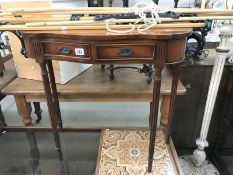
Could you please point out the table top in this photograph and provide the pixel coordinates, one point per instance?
(164, 33)
(95, 81)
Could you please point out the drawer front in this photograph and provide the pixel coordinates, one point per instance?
(74, 50)
(125, 51)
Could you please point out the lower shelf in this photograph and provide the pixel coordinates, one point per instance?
(124, 152)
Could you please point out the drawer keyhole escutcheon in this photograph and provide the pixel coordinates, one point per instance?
(126, 52)
(65, 50)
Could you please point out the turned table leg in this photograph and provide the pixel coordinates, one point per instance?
(37, 111)
(50, 103)
(165, 109)
(24, 109)
(54, 94)
(54, 109)
(154, 106)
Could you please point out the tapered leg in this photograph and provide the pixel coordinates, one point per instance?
(151, 107)
(154, 116)
(24, 109)
(50, 103)
(54, 94)
(172, 100)
(38, 111)
(54, 110)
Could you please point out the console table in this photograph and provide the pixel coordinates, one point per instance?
(155, 46)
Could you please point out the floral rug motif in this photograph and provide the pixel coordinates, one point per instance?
(125, 152)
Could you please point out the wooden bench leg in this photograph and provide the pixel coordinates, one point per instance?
(38, 111)
(165, 109)
(24, 109)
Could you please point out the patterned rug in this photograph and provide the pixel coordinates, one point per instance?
(125, 152)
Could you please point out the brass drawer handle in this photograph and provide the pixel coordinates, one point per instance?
(125, 52)
(65, 50)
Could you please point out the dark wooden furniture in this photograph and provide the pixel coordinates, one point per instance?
(80, 89)
(155, 46)
(189, 109)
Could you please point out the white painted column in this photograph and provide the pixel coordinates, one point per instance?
(222, 50)
(197, 163)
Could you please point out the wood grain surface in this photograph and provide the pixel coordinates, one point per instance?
(94, 85)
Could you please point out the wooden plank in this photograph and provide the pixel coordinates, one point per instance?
(93, 98)
(94, 83)
(175, 159)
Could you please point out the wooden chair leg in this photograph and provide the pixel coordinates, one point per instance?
(38, 111)
(24, 109)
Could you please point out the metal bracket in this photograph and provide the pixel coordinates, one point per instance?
(168, 14)
(199, 35)
(20, 37)
(147, 69)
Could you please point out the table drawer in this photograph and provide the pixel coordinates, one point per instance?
(125, 51)
(76, 50)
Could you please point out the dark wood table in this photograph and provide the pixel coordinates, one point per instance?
(155, 46)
